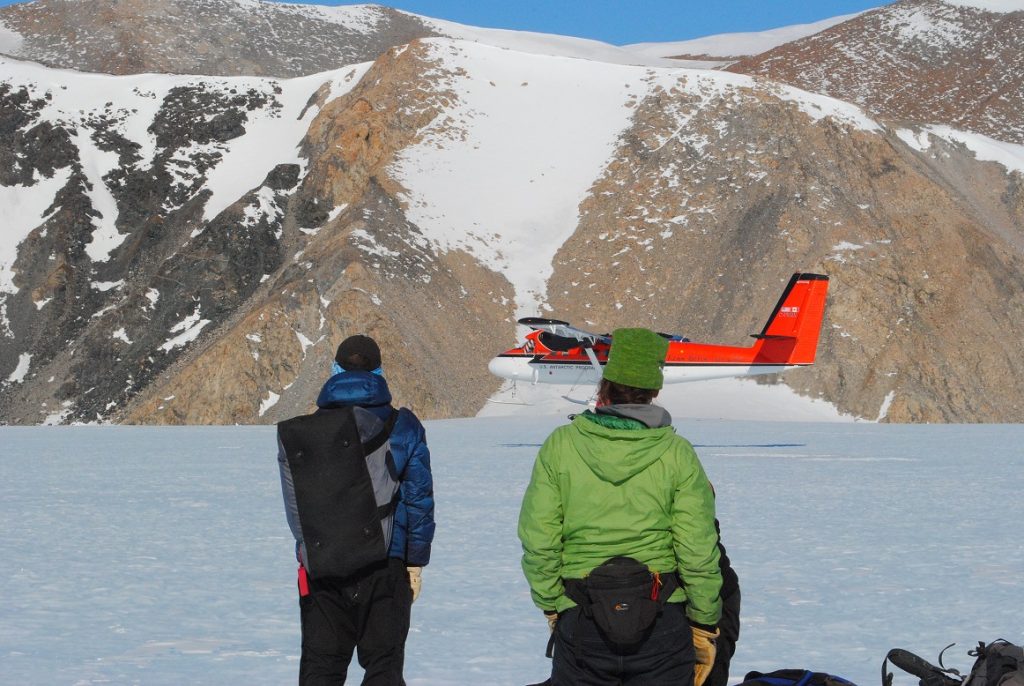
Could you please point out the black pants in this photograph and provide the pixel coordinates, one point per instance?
(582, 657)
(368, 614)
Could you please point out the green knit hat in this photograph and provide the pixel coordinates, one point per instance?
(636, 358)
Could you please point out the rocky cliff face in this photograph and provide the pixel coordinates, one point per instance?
(697, 225)
(123, 268)
(196, 314)
(358, 265)
(211, 37)
(923, 61)
(191, 249)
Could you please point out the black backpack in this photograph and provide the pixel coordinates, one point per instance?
(345, 489)
(999, 663)
(794, 677)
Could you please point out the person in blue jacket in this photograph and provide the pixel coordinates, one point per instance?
(367, 611)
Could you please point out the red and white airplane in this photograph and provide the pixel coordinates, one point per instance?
(558, 353)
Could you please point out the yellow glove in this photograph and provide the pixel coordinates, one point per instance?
(415, 581)
(704, 645)
(552, 618)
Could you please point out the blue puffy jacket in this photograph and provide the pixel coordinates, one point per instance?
(414, 515)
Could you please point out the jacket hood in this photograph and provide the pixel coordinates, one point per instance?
(652, 416)
(354, 388)
(616, 455)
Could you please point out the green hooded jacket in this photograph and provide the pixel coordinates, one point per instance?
(601, 488)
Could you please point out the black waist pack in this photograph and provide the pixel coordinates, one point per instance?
(624, 598)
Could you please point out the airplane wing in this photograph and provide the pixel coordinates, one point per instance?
(563, 329)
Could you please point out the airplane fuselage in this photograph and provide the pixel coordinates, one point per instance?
(529, 369)
(555, 352)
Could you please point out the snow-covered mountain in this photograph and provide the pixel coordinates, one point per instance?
(201, 243)
(244, 37)
(724, 48)
(210, 37)
(958, 63)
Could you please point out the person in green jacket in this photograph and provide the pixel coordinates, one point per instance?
(616, 487)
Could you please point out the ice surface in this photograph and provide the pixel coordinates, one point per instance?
(161, 555)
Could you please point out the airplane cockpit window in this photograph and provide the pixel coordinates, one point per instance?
(558, 343)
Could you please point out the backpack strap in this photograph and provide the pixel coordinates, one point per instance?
(550, 652)
(781, 677)
(375, 444)
(929, 674)
(794, 677)
(576, 591)
(383, 435)
(389, 507)
(663, 585)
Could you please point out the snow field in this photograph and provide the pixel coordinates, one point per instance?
(23, 211)
(10, 40)
(503, 175)
(161, 555)
(998, 6)
(1009, 155)
(548, 44)
(737, 398)
(737, 44)
(271, 138)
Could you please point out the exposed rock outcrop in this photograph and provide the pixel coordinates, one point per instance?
(360, 267)
(700, 231)
(921, 61)
(210, 37)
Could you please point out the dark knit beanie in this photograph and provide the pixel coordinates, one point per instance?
(636, 358)
(358, 353)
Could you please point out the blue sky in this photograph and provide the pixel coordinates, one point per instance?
(636, 21)
(640, 21)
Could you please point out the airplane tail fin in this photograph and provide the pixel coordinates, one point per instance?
(791, 334)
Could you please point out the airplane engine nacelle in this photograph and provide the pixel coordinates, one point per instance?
(513, 368)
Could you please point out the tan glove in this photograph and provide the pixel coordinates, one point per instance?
(552, 618)
(415, 581)
(704, 645)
